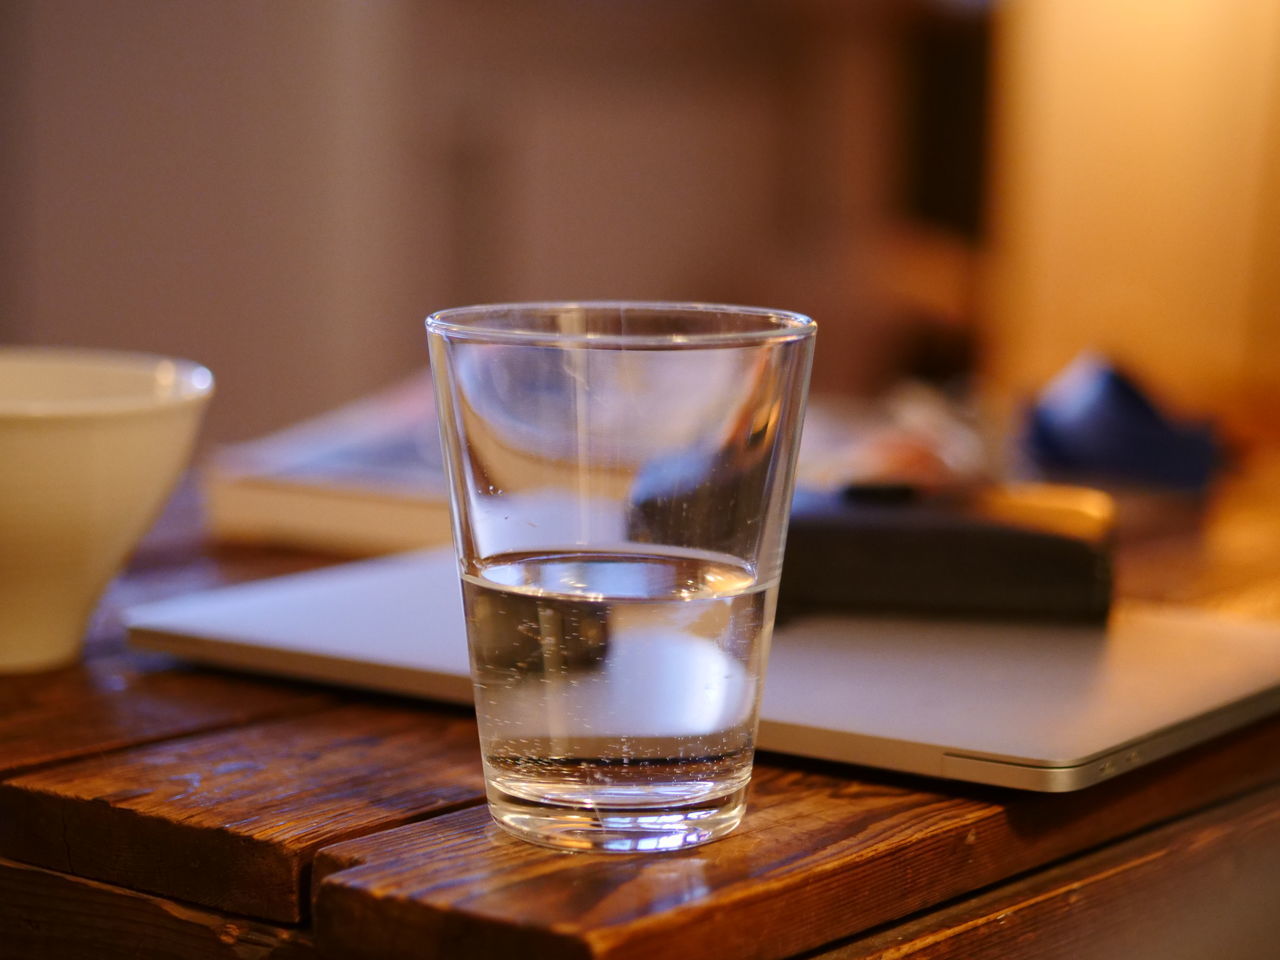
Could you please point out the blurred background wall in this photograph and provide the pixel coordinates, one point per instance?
(284, 190)
(1135, 199)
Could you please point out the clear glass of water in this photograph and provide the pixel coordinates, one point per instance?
(621, 477)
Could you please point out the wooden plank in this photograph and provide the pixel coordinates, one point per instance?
(27, 691)
(230, 819)
(819, 856)
(110, 703)
(52, 916)
(1206, 886)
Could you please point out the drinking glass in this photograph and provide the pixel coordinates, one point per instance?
(621, 477)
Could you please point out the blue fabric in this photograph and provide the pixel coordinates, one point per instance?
(1095, 422)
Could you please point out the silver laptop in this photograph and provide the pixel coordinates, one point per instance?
(1038, 707)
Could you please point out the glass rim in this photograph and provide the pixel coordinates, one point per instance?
(468, 323)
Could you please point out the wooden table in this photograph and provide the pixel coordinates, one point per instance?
(152, 810)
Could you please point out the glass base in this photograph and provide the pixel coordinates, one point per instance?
(618, 829)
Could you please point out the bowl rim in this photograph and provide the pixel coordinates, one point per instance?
(184, 383)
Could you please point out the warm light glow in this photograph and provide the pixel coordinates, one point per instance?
(1135, 153)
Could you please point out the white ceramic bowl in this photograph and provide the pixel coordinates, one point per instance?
(91, 445)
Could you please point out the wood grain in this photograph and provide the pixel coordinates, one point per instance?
(819, 856)
(52, 916)
(114, 702)
(230, 819)
(1206, 886)
(34, 691)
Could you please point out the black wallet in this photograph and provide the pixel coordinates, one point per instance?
(1035, 552)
